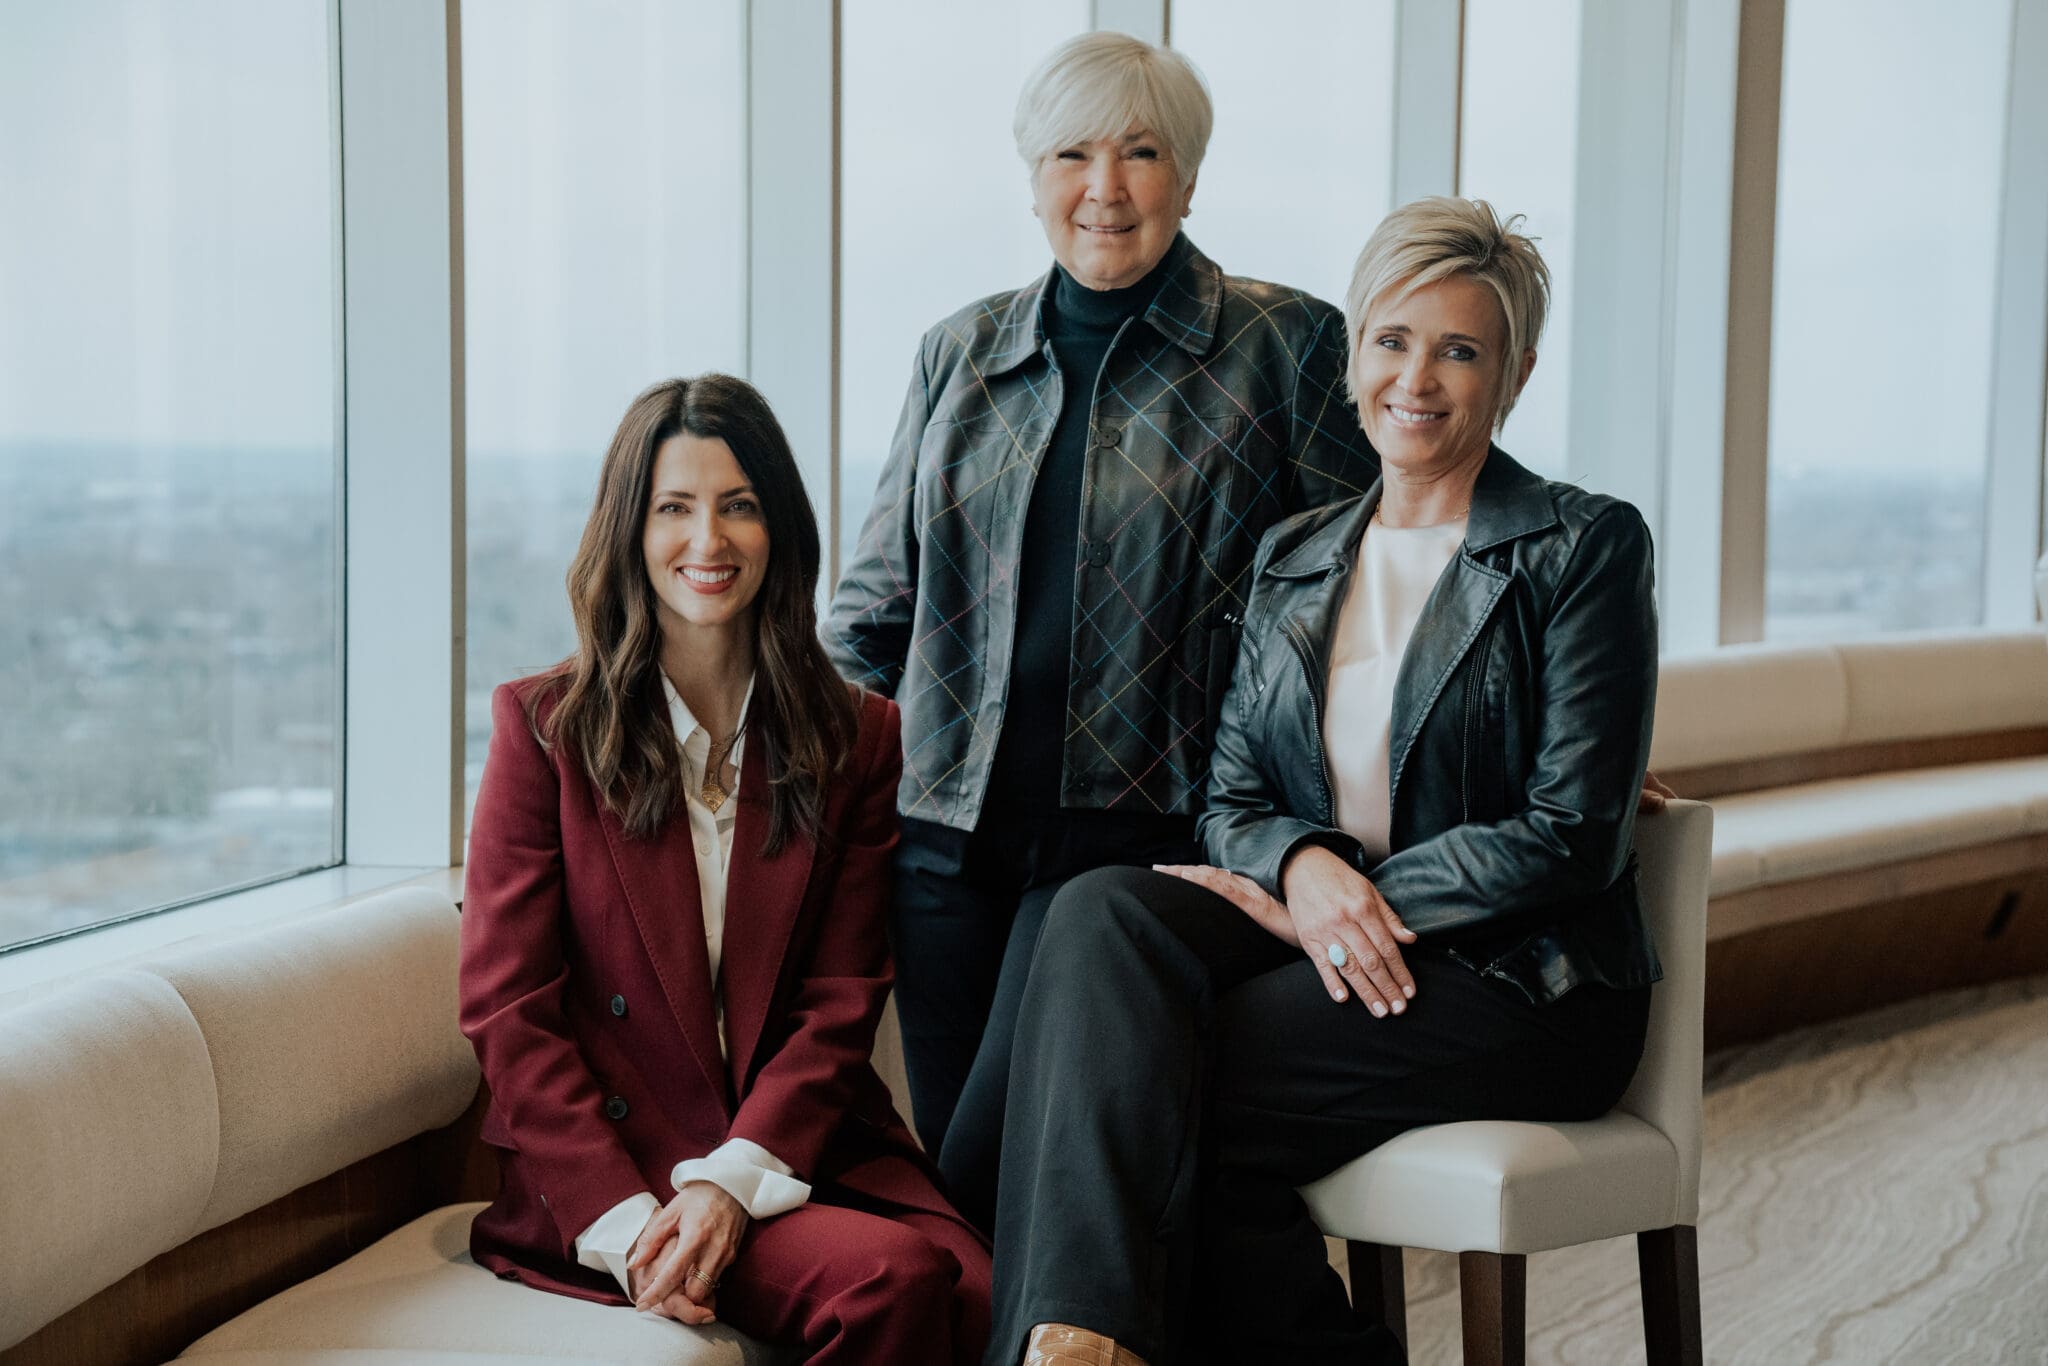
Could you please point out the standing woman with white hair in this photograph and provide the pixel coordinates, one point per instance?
(1423, 901)
(1052, 577)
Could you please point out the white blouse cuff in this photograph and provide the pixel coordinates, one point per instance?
(606, 1244)
(764, 1185)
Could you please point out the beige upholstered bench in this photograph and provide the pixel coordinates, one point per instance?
(293, 1113)
(189, 1135)
(1880, 818)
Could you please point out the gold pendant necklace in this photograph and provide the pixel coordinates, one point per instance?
(1430, 526)
(712, 791)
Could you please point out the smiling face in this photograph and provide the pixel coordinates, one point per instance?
(1427, 373)
(1111, 207)
(705, 538)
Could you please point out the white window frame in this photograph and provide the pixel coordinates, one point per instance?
(2016, 493)
(399, 132)
(792, 239)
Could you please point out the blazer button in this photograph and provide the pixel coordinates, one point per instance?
(616, 1107)
(1098, 554)
(1108, 434)
(619, 1005)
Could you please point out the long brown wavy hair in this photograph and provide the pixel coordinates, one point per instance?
(613, 716)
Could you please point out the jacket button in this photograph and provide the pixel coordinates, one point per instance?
(1098, 554)
(615, 1108)
(618, 1005)
(1108, 435)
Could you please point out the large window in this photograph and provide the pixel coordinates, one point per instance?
(168, 564)
(1301, 159)
(935, 207)
(604, 221)
(1891, 144)
(1518, 149)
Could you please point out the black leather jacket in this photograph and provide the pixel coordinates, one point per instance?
(1520, 731)
(1218, 411)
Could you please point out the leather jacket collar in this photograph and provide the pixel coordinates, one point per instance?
(1508, 501)
(1184, 311)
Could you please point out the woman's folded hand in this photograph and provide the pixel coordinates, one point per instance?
(1240, 891)
(686, 1246)
(1347, 930)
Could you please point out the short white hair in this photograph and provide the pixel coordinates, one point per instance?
(1104, 84)
(1440, 236)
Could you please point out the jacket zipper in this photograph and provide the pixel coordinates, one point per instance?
(1315, 710)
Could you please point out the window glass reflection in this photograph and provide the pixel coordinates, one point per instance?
(1891, 149)
(935, 207)
(1518, 150)
(1301, 162)
(603, 233)
(168, 565)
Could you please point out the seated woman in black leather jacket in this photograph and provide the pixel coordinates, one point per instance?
(1424, 906)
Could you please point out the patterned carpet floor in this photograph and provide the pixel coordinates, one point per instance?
(1875, 1190)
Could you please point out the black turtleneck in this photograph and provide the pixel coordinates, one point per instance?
(1080, 323)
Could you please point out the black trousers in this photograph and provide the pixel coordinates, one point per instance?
(1177, 1072)
(968, 910)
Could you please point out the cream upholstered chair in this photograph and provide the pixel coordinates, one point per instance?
(1494, 1192)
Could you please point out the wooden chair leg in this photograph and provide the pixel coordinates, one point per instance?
(1493, 1288)
(1378, 1292)
(1669, 1262)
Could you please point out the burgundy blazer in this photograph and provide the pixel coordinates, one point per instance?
(586, 991)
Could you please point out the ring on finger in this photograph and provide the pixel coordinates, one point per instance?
(1337, 954)
(697, 1275)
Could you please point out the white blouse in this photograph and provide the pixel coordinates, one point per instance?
(762, 1183)
(1397, 568)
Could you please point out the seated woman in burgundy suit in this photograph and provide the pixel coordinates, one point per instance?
(673, 958)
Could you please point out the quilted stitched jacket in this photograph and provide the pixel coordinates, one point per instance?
(1218, 411)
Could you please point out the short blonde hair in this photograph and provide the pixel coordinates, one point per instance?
(1432, 239)
(1102, 85)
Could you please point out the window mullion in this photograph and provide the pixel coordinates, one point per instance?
(2014, 512)
(1691, 539)
(1429, 62)
(402, 402)
(1147, 19)
(1614, 431)
(792, 177)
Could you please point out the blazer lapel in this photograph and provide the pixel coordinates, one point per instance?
(762, 899)
(659, 877)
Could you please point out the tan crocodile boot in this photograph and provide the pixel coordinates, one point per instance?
(1062, 1344)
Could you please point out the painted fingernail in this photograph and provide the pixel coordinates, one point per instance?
(1400, 1005)
(1409, 992)
(1336, 995)
(1379, 1010)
